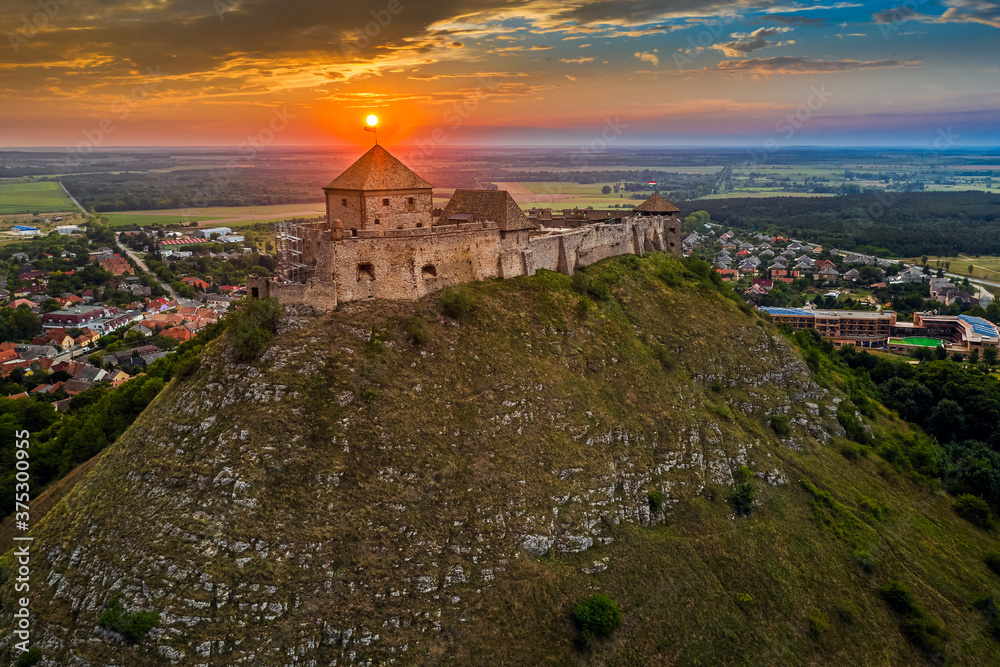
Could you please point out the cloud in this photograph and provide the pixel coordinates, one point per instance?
(755, 41)
(791, 20)
(984, 12)
(578, 61)
(648, 57)
(802, 65)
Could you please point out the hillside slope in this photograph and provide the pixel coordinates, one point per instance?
(391, 485)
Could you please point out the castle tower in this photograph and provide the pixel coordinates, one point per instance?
(378, 192)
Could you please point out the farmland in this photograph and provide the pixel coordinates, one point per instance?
(33, 197)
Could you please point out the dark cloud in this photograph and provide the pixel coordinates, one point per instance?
(790, 20)
(803, 65)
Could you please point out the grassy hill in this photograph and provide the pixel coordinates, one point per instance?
(440, 482)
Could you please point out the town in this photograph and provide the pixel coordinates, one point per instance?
(82, 310)
(850, 298)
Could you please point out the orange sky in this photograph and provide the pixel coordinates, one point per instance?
(304, 72)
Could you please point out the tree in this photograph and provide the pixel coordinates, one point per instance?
(974, 357)
(990, 356)
(606, 190)
(923, 260)
(971, 268)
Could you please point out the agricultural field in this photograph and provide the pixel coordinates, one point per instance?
(986, 267)
(761, 192)
(841, 176)
(227, 216)
(33, 197)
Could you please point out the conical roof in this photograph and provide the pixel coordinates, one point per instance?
(378, 169)
(656, 204)
(487, 205)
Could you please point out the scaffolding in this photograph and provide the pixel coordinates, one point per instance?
(289, 242)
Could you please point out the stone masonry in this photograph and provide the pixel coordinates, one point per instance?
(381, 240)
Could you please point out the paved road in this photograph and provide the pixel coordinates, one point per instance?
(142, 265)
(71, 197)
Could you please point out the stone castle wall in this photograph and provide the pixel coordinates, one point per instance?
(408, 264)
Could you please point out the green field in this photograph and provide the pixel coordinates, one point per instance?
(33, 197)
(228, 216)
(985, 267)
(143, 219)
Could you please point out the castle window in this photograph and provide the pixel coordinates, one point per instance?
(343, 202)
(410, 201)
(377, 221)
(385, 202)
(366, 272)
(420, 224)
(429, 271)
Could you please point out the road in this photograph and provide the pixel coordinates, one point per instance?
(142, 265)
(72, 198)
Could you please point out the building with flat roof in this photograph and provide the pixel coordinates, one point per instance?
(864, 328)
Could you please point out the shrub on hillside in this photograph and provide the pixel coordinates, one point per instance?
(252, 325)
(29, 658)
(781, 425)
(992, 559)
(597, 616)
(417, 330)
(459, 302)
(743, 490)
(584, 283)
(132, 626)
(974, 510)
(898, 596)
(655, 501)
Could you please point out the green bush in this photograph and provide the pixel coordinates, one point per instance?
(459, 303)
(992, 559)
(743, 491)
(597, 616)
(847, 611)
(817, 624)
(30, 657)
(899, 598)
(926, 633)
(655, 501)
(252, 325)
(132, 626)
(669, 277)
(665, 357)
(974, 510)
(417, 330)
(852, 451)
(187, 367)
(864, 560)
(855, 429)
(592, 286)
(781, 425)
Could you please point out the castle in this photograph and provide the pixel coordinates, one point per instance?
(382, 239)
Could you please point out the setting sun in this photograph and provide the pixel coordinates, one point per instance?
(372, 120)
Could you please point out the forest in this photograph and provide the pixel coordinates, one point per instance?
(195, 188)
(885, 224)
